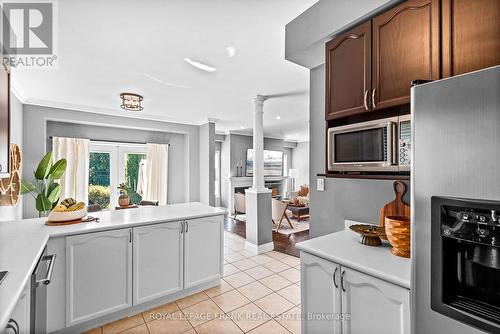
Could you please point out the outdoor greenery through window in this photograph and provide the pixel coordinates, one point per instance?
(99, 179)
(111, 164)
(132, 162)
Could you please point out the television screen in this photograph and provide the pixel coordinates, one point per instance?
(4, 122)
(273, 163)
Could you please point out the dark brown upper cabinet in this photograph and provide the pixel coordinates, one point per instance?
(470, 35)
(405, 48)
(348, 68)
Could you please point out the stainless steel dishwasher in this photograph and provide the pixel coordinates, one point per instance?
(38, 296)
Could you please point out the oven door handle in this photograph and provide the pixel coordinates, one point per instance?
(50, 270)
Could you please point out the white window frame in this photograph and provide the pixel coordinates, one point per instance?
(116, 153)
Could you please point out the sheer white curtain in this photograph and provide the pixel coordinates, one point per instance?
(156, 173)
(75, 181)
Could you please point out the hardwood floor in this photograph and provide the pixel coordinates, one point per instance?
(282, 243)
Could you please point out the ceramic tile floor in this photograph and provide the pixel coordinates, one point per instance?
(258, 294)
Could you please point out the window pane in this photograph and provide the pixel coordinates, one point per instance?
(132, 163)
(99, 179)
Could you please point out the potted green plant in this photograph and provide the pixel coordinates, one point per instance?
(124, 198)
(46, 188)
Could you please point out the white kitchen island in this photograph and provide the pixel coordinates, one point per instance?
(128, 262)
(348, 287)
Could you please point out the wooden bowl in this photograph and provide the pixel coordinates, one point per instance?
(370, 234)
(397, 229)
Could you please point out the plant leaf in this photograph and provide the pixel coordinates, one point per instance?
(54, 191)
(43, 204)
(44, 166)
(58, 169)
(27, 187)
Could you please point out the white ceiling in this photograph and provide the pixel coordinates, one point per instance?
(108, 47)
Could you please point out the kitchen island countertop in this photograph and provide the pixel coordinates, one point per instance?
(22, 242)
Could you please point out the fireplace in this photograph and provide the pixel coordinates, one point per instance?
(239, 184)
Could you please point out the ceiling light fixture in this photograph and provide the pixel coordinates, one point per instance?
(231, 51)
(199, 65)
(278, 117)
(131, 101)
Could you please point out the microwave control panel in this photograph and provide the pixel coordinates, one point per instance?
(404, 143)
(404, 151)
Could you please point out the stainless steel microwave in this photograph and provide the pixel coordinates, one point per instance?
(376, 146)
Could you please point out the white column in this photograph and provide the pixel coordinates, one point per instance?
(258, 143)
(259, 236)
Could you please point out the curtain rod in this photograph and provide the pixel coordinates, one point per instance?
(116, 141)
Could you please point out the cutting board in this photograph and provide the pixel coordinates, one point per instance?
(395, 207)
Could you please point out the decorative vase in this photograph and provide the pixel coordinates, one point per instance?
(124, 201)
(397, 229)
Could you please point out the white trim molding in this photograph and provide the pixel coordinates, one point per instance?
(259, 249)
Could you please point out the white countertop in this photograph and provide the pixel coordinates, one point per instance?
(20, 248)
(22, 242)
(345, 249)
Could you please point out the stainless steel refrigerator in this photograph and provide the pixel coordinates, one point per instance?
(456, 154)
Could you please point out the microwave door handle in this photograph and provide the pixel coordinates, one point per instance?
(394, 143)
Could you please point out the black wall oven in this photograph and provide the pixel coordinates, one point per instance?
(465, 261)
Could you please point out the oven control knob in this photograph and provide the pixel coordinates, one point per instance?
(483, 219)
(465, 216)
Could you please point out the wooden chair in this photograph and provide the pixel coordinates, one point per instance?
(148, 203)
(94, 208)
(239, 205)
(280, 212)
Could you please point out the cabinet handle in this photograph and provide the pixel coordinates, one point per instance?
(182, 227)
(11, 326)
(374, 105)
(129, 235)
(187, 226)
(365, 100)
(342, 280)
(335, 278)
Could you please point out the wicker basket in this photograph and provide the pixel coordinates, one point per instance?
(397, 229)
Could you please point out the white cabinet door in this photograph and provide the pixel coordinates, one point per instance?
(203, 242)
(21, 313)
(98, 274)
(320, 299)
(374, 305)
(158, 261)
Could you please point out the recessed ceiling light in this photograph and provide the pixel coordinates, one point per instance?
(231, 51)
(242, 127)
(199, 65)
(278, 117)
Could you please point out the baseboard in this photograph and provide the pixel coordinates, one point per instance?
(264, 248)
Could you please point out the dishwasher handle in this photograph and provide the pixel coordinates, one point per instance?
(48, 276)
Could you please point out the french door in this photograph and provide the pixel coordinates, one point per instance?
(112, 164)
